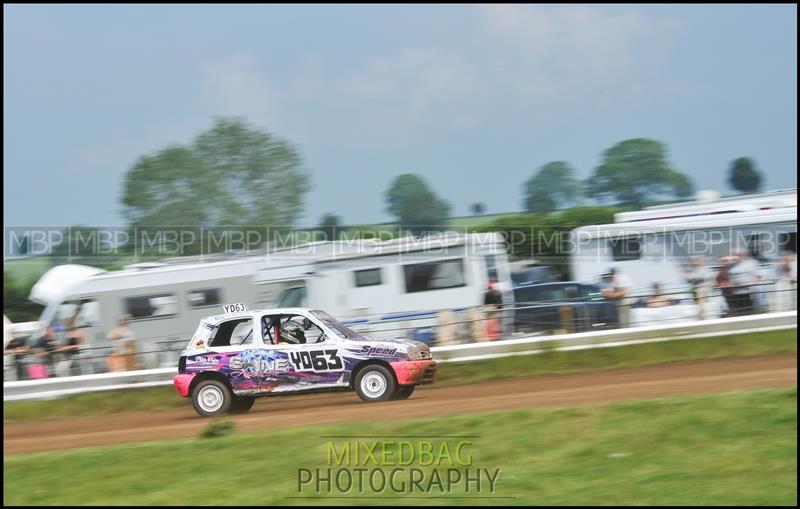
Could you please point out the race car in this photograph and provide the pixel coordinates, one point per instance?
(240, 355)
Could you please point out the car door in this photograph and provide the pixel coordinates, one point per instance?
(314, 363)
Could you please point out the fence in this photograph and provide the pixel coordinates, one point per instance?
(440, 328)
(56, 387)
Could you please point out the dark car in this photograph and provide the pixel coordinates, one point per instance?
(561, 306)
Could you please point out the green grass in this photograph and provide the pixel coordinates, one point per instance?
(158, 398)
(724, 449)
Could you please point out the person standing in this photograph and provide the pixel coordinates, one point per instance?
(617, 288)
(123, 345)
(18, 349)
(743, 275)
(786, 286)
(698, 276)
(70, 350)
(493, 302)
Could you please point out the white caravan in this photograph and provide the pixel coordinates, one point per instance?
(401, 288)
(653, 245)
(165, 300)
(407, 278)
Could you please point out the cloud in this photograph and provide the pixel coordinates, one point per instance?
(544, 59)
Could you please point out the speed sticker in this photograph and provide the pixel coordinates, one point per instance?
(234, 308)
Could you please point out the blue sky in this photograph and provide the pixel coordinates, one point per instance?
(474, 98)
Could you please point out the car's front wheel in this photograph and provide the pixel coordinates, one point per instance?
(211, 398)
(374, 383)
(241, 405)
(403, 392)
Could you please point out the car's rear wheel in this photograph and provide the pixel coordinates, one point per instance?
(211, 397)
(403, 392)
(374, 383)
(241, 405)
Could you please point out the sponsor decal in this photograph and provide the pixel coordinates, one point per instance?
(372, 351)
(234, 308)
(258, 363)
(317, 361)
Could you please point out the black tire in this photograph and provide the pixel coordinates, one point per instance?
(403, 392)
(211, 398)
(374, 383)
(241, 405)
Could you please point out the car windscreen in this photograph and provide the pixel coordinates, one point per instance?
(336, 326)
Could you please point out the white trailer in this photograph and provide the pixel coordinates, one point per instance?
(653, 245)
(398, 288)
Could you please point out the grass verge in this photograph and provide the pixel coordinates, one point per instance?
(723, 449)
(160, 398)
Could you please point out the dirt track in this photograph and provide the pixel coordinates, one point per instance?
(773, 371)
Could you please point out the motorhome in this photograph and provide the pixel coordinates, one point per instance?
(655, 244)
(397, 288)
(364, 282)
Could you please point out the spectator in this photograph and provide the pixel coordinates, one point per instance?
(122, 337)
(786, 286)
(493, 300)
(699, 277)
(76, 337)
(616, 288)
(45, 348)
(743, 273)
(725, 283)
(18, 349)
(658, 299)
(758, 294)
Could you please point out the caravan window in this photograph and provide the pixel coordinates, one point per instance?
(368, 277)
(292, 298)
(788, 241)
(422, 277)
(625, 249)
(152, 306)
(207, 297)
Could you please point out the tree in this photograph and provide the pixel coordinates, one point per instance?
(636, 170)
(329, 226)
(553, 186)
(231, 175)
(477, 208)
(415, 205)
(744, 177)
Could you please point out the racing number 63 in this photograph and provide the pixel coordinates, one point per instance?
(318, 360)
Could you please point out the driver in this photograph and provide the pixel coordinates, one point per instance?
(293, 332)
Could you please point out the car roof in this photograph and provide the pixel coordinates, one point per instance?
(216, 319)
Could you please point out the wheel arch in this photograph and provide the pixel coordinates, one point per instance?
(210, 375)
(370, 362)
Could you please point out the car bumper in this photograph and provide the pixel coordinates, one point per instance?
(182, 384)
(415, 372)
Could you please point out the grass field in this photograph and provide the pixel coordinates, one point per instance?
(724, 449)
(101, 403)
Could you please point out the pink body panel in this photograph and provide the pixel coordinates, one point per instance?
(182, 383)
(414, 372)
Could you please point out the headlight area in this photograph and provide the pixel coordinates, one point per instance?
(414, 353)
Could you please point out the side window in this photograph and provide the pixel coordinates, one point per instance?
(590, 292)
(292, 297)
(571, 292)
(788, 242)
(755, 245)
(422, 277)
(491, 267)
(233, 333)
(625, 249)
(204, 297)
(290, 329)
(152, 306)
(367, 277)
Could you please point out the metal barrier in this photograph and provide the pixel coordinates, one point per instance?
(56, 387)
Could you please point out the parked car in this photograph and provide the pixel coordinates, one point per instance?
(564, 305)
(240, 355)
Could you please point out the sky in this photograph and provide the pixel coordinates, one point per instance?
(474, 98)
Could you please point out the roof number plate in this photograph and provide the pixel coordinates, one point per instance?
(234, 308)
